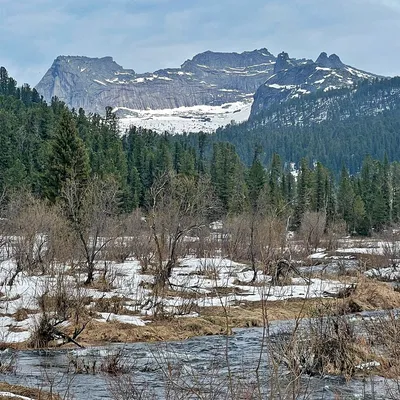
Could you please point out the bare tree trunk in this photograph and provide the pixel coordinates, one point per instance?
(90, 277)
(252, 250)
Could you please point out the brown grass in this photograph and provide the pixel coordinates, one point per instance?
(172, 329)
(374, 295)
(369, 295)
(36, 394)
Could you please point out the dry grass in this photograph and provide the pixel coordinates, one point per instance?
(172, 329)
(35, 394)
(23, 313)
(373, 295)
(369, 295)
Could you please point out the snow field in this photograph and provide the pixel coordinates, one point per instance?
(186, 119)
(210, 281)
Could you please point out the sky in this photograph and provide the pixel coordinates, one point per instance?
(146, 35)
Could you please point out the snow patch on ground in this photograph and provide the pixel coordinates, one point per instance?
(125, 319)
(214, 281)
(9, 394)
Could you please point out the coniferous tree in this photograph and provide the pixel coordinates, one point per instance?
(68, 159)
(346, 198)
(303, 197)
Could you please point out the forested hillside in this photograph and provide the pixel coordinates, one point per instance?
(48, 149)
(337, 127)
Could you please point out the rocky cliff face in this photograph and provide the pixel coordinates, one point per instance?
(208, 79)
(291, 80)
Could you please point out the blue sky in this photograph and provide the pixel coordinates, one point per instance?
(147, 35)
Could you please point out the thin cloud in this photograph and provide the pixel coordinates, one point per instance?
(146, 35)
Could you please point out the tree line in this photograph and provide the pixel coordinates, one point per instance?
(361, 120)
(56, 154)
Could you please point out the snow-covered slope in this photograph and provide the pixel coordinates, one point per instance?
(291, 81)
(186, 119)
(368, 98)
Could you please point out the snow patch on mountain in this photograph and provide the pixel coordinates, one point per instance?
(185, 119)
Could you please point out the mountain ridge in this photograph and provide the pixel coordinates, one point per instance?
(228, 77)
(226, 82)
(291, 81)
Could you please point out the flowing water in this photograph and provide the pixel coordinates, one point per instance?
(205, 362)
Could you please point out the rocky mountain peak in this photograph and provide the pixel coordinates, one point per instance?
(296, 78)
(282, 62)
(219, 60)
(333, 61)
(102, 67)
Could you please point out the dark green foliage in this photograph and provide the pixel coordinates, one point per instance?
(288, 130)
(68, 159)
(227, 177)
(46, 146)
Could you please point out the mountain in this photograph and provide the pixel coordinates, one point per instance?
(208, 91)
(290, 80)
(208, 79)
(337, 127)
(365, 99)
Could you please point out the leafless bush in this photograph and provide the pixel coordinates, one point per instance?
(328, 344)
(236, 237)
(8, 361)
(63, 298)
(391, 246)
(114, 304)
(179, 206)
(92, 218)
(137, 239)
(334, 231)
(43, 332)
(312, 228)
(33, 223)
(384, 332)
(114, 363)
(124, 387)
(59, 301)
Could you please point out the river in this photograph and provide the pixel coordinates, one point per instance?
(212, 364)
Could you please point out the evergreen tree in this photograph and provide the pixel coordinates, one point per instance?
(304, 186)
(256, 180)
(276, 200)
(68, 159)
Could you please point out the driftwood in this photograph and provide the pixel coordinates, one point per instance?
(343, 293)
(283, 269)
(67, 338)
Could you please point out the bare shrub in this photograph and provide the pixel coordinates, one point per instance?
(113, 363)
(334, 231)
(138, 239)
(59, 302)
(8, 361)
(179, 206)
(43, 332)
(256, 238)
(391, 246)
(114, 304)
(384, 332)
(328, 344)
(124, 387)
(36, 227)
(312, 228)
(236, 241)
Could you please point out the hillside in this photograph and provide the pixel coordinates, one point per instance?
(336, 127)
